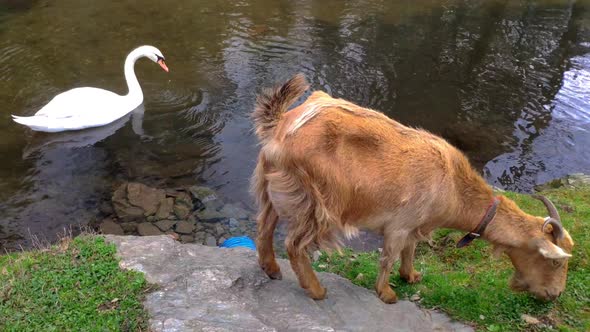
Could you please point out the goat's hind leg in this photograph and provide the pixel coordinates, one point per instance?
(267, 221)
(301, 265)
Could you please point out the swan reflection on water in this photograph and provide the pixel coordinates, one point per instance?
(86, 137)
(69, 176)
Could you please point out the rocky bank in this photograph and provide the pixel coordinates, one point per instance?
(193, 214)
(202, 288)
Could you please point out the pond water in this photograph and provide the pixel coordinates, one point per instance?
(508, 82)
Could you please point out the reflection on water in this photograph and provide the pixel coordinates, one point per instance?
(560, 148)
(84, 138)
(505, 81)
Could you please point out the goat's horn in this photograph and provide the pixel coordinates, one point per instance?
(557, 228)
(550, 207)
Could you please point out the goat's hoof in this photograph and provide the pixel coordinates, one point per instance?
(388, 296)
(412, 277)
(318, 294)
(273, 271)
(276, 275)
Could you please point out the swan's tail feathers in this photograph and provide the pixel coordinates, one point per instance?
(272, 103)
(33, 122)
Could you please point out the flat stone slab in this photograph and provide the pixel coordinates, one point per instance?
(216, 289)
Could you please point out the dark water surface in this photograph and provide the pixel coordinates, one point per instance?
(508, 82)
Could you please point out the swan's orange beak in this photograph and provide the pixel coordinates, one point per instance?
(163, 65)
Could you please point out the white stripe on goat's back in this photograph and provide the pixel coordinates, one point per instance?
(315, 107)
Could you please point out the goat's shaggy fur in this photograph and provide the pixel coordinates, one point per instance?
(330, 167)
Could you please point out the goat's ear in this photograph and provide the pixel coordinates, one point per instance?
(550, 250)
(498, 251)
(548, 229)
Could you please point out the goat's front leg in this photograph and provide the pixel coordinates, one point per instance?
(391, 250)
(406, 270)
(302, 267)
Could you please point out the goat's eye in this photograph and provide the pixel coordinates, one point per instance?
(556, 263)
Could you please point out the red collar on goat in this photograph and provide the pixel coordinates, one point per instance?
(485, 221)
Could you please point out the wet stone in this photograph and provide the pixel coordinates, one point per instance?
(181, 211)
(165, 208)
(129, 227)
(234, 211)
(192, 219)
(147, 229)
(134, 201)
(128, 213)
(184, 227)
(203, 194)
(200, 237)
(210, 241)
(233, 223)
(144, 197)
(187, 238)
(108, 226)
(209, 215)
(184, 198)
(173, 192)
(221, 240)
(219, 229)
(215, 204)
(165, 225)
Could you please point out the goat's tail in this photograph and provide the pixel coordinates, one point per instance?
(272, 103)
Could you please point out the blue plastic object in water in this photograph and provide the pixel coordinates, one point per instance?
(239, 241)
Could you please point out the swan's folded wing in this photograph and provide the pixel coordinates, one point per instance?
(79, 102)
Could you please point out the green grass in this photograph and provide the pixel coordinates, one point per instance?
(76, 285)
(472, 286)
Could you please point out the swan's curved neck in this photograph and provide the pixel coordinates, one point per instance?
(132, 83)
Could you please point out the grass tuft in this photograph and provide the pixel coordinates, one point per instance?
(76, 285)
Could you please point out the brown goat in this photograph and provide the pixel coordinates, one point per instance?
(330, 167)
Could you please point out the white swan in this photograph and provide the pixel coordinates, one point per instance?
(87, 107)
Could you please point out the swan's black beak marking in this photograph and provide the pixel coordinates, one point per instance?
(162, 63)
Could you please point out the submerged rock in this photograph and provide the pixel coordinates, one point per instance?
(165, 225)
(203, 194)
(135, 201)
(210, 241)
(234, 211)
(124, 210)
(129, 227)
(209, 215)
(165, 208)
(148, 229)
(183, 198)
(184, 227)
(108, 226)
(145, 197)
(187, 238)
(181, 211)
(213, 289)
